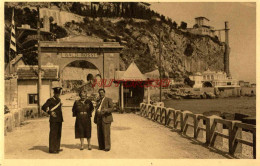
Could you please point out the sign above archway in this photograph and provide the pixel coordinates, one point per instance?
(79, 55)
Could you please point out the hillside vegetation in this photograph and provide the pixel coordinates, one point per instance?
(182, 53)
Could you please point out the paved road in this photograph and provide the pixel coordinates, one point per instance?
(132, 137)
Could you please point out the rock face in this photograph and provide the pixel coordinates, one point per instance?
(182, 53)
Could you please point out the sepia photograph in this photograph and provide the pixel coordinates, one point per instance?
(129, 80)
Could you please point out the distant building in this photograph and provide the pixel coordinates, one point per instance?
(198, 79)
(59, 17)
(246, 84)
(241, 83)
(202, 27)
(213, 79)
(253, 85)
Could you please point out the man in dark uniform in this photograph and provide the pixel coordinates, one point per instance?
(53, 108)
(103, 118)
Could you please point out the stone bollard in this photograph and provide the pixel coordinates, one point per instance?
(238, 150)
(218, 142)
(9, 123)
(189, 130)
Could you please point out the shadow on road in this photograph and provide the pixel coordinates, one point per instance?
(42, 148)
(76, 146)
(212, 149)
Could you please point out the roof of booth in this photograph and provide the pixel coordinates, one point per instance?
(131, 74)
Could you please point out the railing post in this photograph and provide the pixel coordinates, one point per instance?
(254, 144)
(235, 132)
(185, 121)
(178, 115)
(208, 131)
(215, 140)
(148, 110)
(165, 116)
(181, 121)
(168, 119)
(196, 126)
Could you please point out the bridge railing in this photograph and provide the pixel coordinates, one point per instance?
(212, 126)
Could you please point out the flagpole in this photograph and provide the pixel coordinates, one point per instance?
(160, 65)
(9, 52)
(39, 63)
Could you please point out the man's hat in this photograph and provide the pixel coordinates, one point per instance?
(57, 89)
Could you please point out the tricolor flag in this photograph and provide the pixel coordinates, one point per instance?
(13, 39)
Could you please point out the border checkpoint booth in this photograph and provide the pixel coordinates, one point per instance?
(132, 84)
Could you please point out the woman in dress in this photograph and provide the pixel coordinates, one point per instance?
(82, 110)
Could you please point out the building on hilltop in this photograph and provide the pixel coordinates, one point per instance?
(202, 27)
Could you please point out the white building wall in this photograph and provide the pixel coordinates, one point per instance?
(60, 17)
(26, 87)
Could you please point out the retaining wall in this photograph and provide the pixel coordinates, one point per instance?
(17, 116)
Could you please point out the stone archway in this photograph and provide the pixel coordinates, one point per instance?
(207, 84)
(77, 73)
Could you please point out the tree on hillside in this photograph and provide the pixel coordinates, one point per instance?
(183, 25)
(76, 8)
(94, 13)
(188, 81)
(174, 25)
(100, 12)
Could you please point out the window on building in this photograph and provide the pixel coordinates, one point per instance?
(33, 98)
(228, 83)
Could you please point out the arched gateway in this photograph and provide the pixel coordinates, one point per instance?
(104, 55)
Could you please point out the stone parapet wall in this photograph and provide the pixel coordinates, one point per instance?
(17, 116)
(11, 93)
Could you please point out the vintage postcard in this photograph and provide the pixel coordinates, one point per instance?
(149, 80)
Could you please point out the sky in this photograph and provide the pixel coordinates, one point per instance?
(242, 24)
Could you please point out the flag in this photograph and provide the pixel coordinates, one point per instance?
(12, 48)
(12, 39)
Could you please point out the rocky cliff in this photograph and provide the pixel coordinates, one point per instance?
(182, 53)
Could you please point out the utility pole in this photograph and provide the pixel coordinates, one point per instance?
(39, 63)
(227, 50)
(160, 65)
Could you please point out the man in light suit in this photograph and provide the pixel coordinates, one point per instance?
(103, 118)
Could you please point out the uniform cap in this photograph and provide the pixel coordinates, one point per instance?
(57, 89)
